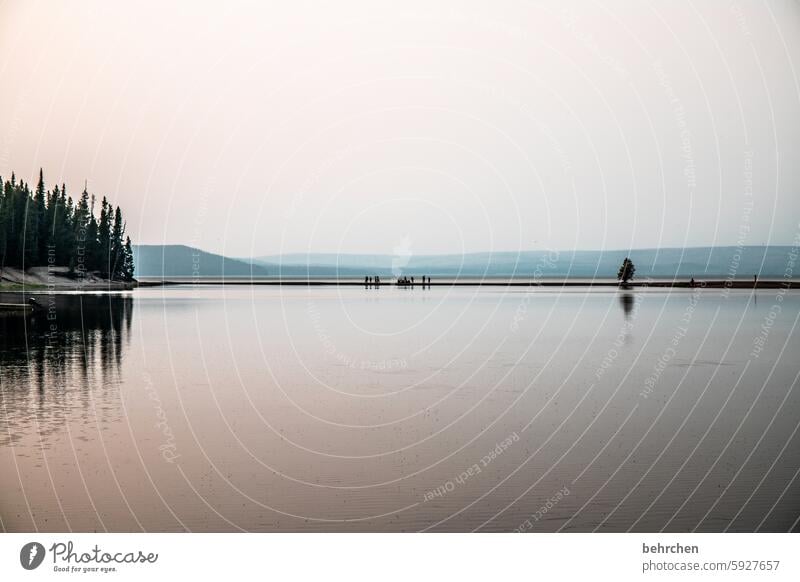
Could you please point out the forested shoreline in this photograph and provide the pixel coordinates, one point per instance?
(48, 228)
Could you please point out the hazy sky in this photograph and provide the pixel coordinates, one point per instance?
(266, 127)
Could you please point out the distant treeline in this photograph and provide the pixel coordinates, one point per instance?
(46, 227)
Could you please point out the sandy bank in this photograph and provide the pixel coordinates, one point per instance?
(57, 278)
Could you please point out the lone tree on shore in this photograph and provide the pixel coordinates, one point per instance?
(626, 271)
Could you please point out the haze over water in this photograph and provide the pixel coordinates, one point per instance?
(349, 409)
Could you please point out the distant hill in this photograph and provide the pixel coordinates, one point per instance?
(717, 262)
(183, 261)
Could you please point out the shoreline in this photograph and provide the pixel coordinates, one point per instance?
(55, 279)
(61, 284)
(705, 284)
(38, 288)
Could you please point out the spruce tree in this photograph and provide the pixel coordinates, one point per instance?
(30, 233)
(80, 226)
(17, 222)
(3, 224)
(104, 237)
(50, 214)
(40, 220)
(117, 244)
(626, 271)
(63, 228)
(127, 262)
(9, 201)
(92, 250)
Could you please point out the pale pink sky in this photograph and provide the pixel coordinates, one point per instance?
(255, 128)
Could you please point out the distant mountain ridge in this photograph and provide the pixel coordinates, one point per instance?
(739, 262)
(183, 261)
(717, 262)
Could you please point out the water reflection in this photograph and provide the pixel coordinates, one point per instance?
(627, 302)
(219, 409)
(74, 341)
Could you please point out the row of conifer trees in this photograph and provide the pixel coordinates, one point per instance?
(46, 227)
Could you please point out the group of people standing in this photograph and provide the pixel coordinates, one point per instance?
(401, 281)
(409, 281)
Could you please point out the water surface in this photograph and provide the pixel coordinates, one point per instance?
(446, 409)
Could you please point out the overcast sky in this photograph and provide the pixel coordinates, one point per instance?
(267, 127)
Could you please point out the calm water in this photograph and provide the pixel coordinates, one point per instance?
(339, 409)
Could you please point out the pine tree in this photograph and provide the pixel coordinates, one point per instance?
(50, 214)
(4, 225)
(92, 250)
(16, 221)
(104, 237)
(626, 271)
(9, 219)
(127, 261)
(80, 225)
(63, 228)
(30, 234)
(117, 244)
(40, 220)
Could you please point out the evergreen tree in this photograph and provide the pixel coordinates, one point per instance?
(50, 214)
(127, 261)
(63, 228)
(626, 271)
(17, 222)
(30, 233)
(4, 224)
(104, 237)
(80, 226)
(92, 250)
(9, 231)
(40, 220)
(117, 245)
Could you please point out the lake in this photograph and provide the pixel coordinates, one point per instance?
(228, 408)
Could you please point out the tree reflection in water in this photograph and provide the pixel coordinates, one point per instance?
(51, 359)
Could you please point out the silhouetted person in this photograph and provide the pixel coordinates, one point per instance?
(755, 280)
(691, 282)
(412, 281)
